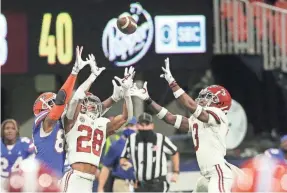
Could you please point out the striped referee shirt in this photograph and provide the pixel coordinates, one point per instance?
(148, 158)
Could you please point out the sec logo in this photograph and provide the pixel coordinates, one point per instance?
(188, 34)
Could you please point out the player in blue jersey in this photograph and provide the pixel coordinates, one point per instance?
(48, 133)
(281, 152)
(13, 147)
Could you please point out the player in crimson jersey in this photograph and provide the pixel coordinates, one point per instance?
(209, 127)
(48, 133)
(86, 130)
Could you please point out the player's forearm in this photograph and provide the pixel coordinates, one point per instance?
(79, 95)
(189, 103)
(62, 98)
(103, 177)
(175, 162)
(169, 118)
(177, 121)
(128, 112)
(107, 104)
(85, 86)
(184, 98)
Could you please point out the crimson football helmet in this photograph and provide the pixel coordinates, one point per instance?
(215, 96)
(44, 102)
(32, 176)
(92, 106)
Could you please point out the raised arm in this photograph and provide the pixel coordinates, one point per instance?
(116, 97)
(127, 114)
(178, 121)
(184, 98)
(64, 94)
(81, 91)
(85, 87)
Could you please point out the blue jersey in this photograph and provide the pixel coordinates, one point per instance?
(11, 158)
(49, 146)
(276, 153)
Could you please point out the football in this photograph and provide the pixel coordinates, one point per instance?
(126, 24)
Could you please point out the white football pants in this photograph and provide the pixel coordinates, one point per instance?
(77, 182)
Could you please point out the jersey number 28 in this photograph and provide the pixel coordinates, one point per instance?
(96, 137)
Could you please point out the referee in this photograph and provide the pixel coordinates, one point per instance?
(148, 150)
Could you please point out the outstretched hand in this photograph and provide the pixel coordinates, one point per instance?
(141, 93)
(166, 72)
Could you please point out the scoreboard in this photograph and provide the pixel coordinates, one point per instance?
(58, 46)
(42, 38)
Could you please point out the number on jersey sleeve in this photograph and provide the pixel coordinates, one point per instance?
(195, 130)
(96, 137)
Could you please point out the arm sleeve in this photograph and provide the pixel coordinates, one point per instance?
(62, 98)
(168, 147)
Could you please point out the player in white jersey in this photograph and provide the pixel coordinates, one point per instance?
(86, 130)
(209, 127)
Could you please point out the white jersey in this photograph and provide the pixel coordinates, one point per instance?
(84, 142)
(209, 138)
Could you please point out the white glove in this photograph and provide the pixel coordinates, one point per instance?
(118, 93)
(79, 63)
(141, 93)
(167, 74)
(93, 64)
(126, 82)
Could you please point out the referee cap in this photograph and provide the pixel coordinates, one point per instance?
(145, 118)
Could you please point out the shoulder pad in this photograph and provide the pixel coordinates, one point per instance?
(217, 112)
(25, 140)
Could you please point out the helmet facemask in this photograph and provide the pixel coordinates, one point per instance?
(206, 98)
(92, 106)
(47, 104)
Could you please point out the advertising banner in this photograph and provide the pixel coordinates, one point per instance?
(54, 28)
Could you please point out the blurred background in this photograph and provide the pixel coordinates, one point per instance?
(239, 44)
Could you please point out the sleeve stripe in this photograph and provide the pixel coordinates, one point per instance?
(41, 117)
(217, 119)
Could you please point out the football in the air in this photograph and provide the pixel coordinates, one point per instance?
(126, 24)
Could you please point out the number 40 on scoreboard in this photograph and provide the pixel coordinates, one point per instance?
(60, 45)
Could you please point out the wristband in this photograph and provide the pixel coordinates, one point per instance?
(178, 121)
(162, 113)
(148, 101)
(176, 172)
(173, 84)
(178, 93)
(198, 111)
